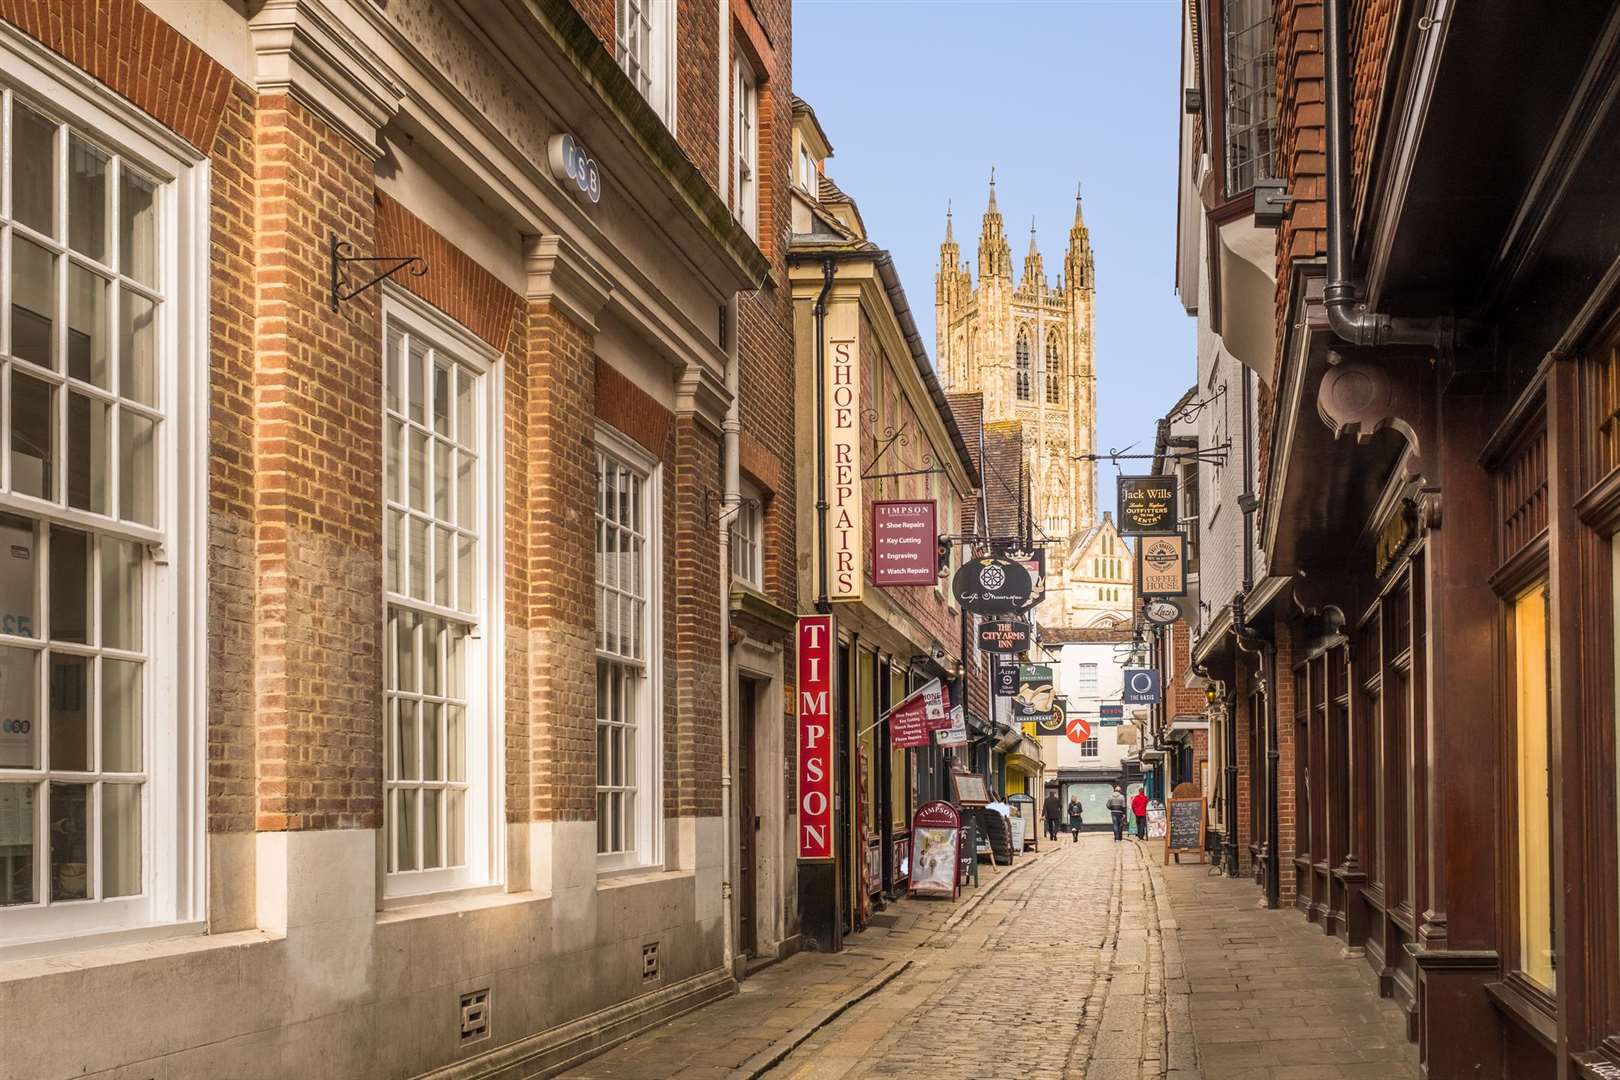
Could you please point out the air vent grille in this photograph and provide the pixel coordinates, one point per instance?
(474, 1016)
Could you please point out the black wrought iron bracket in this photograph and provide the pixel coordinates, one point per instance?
(1214, 454)
(890, 438)
(343, 289)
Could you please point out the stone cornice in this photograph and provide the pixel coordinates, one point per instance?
(562, 274)
(701, 394)
(302, 50)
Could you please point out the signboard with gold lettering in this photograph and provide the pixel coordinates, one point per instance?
(1147, 504)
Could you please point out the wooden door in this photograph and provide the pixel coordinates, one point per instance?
(747, 818)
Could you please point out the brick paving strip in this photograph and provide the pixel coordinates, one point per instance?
(782, 1006)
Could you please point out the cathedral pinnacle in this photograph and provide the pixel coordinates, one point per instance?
(1032, 249)
(992, 208)
(950, 238)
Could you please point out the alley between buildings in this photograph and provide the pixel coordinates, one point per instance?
(1088, 960)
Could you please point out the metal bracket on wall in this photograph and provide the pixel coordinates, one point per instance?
(343, 289)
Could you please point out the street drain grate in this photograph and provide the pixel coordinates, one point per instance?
(887, 922)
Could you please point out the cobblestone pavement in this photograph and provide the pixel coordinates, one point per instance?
(1089, 961)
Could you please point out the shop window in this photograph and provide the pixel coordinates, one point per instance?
(644, 36)
(97, 715)
(627, 776)
(438, 791)
(1537, 943)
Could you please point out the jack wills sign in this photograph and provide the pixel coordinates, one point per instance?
(815, 689)
(841, 417)
(1147, 504)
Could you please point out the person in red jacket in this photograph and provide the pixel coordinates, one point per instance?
(1139, 808)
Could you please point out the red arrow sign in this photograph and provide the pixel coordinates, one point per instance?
(1079, 729)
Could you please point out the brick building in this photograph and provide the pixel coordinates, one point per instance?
(885, 431)
(361, 641)
(1413, 639)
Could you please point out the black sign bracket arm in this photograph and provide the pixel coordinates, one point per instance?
(343, 289)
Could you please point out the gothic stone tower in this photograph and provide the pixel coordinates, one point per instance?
(1027, 346)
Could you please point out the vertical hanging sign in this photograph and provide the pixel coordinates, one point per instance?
(845, 518)
(815, 646)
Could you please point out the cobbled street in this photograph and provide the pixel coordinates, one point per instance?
(1089, 960)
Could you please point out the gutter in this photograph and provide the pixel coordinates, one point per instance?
(1349, 316)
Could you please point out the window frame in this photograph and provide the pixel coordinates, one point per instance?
(750, 512)
(483, 666)
(1232, 180)
(648, 852)
(174, 721)
(1023, 377)
(745, 144)
(659, 19)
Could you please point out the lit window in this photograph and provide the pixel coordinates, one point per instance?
(1533, 790)
(645, 43)
(1054, 374)
(745, 183)
(745, 542)
(1249, 93)
(1023, 366)
(100, 349)
(627, 800)
(440, 727)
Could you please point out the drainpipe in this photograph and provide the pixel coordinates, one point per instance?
(823, 605)
(1348, 315)
(729, 503)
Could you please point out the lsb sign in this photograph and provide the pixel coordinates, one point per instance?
(815, 645)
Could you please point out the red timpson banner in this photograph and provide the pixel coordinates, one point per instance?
(815, 689)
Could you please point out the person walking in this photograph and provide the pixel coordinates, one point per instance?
(1116, 808)
(1075, 816)
(1053, 813)
(1139, 803)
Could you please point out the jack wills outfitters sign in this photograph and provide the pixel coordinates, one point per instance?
(1147, 504)
(815, 690)
(841, 413)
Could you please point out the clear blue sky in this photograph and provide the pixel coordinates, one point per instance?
(921, 97)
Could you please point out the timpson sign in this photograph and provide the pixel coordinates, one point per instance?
(814, 707)
(845, 566)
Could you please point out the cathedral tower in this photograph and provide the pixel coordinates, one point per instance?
(1027, 346)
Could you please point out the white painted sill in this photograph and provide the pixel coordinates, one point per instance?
(28, 960)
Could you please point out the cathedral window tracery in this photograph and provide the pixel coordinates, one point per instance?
(1054, 374)
(1023, 366)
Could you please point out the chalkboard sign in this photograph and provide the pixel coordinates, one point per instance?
(1184, 827)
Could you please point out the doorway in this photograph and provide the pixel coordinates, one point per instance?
(748, 691)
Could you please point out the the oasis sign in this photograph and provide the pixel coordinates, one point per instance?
(815, 689)
(991, 586)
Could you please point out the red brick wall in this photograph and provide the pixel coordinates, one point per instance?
(560, 569)
(697, 87)
(1369, 32)
(692, 765)
(1243, 717)
(1287, 787)
(318, 445)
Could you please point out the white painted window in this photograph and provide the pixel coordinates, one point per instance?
(807, 172)
(102, 324)
(1088, 680)
(644, 33)
(1089, 747)
(443, 722)
(747, 528)
(627, 735)
(745, 182)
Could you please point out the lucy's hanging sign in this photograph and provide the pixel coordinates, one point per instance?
(992, 586)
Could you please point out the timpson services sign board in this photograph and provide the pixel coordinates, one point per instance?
(905, 543)
(841, 418)
(1147, 504)
(814, 707)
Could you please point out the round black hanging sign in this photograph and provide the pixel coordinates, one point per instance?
(991, 586)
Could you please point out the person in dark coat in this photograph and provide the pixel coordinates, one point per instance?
(1116, 809)
(1053, 813)
(1075, 816)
